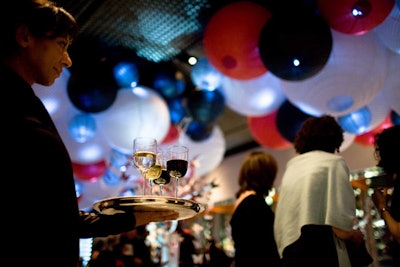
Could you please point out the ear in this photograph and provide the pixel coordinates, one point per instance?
(23, 36)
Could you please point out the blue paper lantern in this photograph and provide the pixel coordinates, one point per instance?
(205, 76)
(126, 74)
(356, 122)
(395, 117)
(82, 127)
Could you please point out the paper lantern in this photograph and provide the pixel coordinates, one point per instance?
(389, 30)
(205, 106)
(265, 132)
(231, 39)
(82, 127)
(89, 172)
(390, 88)
(348, 139)
(172, 135)
(92, 150)
(138, 111)
(199, 131)
(177, 109)
(395, 117)
(352, 77)
(356, 122)
(208, 153)
(205, 76)
(289, 120)
(126, 74)
(295, 45)
(169, 84)
(93, 89)
(354, 17)
(254, 97)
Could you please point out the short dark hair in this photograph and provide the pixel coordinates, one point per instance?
(387, 149)
(44, 20)
(319, 133)
(258, 172)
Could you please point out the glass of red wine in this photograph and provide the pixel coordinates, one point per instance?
(177, 163)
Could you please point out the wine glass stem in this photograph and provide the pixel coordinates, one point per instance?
(144, 183)
(176, 187)
(151, 186)
(161, 189)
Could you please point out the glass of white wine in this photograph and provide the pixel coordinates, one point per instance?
(177, 163)
(144, 156)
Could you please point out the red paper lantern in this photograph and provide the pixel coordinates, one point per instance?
(264, 131)
(231, 39)
(89, 172)
(172, 135)
(355, 17)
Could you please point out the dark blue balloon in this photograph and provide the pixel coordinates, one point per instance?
(289, 120)
(356, 122)
(199, 131)
(168, 86)
(395, 117)
(177, 110)
(205, 106)
(295, 45)
(93, 90)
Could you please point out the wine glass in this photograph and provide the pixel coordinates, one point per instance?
(164, 177)
(155, 171)
(177, 163)
(144, 156)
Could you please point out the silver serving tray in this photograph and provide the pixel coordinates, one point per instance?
(186, 208)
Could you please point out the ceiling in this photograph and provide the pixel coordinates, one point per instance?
(152, 33)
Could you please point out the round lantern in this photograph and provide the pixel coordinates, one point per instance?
(82, 127)
(93, 89)
(254, 97)
(89, 172)
(354, 17)
(389, 30)
(205, 76)
(264, 130)
(352, 77)
(295, 45)
(289, 120)
(126, 74)
(231, 39)
(391, 85)
(356, 122)
(205, 106)
(138, 111)
(395, 117)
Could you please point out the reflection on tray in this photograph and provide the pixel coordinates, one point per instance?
(186, 208)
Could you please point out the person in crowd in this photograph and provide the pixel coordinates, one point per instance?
(36, 37)
(187, 248)
(315, 212)
(387, 151)
(253, 218)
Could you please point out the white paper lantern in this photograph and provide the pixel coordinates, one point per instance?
(391, 87)
(389, 30)
(255, 97)
(138, 111)
(352, 77)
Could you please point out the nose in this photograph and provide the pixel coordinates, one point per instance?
(66, 60)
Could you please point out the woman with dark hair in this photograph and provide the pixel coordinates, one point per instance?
(387, 152)
(253, 218)
(316, 206)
